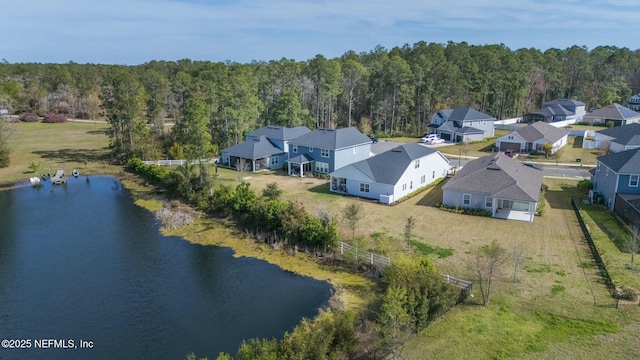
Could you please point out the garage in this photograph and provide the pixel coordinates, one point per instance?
(504, 146)
(446, 136)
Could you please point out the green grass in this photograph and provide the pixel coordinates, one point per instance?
(426, 249)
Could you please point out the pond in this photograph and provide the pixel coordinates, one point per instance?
(85, 273)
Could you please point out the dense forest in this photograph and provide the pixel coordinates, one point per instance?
(381, 91)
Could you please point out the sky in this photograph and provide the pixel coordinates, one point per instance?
(133, 32)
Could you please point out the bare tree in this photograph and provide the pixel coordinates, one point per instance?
(518, 258)
(632, 244)
(604, 147)
(490, 260)
(241, 165)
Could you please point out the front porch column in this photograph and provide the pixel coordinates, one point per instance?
(301, 170)
(289, 168)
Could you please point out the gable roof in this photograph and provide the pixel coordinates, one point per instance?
(541, 130)
(625, 162)
(554, 109)
(332, 139)
(277, 132)
(614, 111)
(254, 149)
(567, 103)
(466, 113)
(500, 176)
(623, 135)
(388, 167)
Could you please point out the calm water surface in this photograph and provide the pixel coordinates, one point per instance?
(81, 262)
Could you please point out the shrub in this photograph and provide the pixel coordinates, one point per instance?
(466, 211)
(628, 294)
(54, 118)
(28, 117)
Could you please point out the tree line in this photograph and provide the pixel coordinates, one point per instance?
(383, 91)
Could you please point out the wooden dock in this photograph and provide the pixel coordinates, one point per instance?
(59, 177)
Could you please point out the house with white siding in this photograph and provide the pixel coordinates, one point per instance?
(392, 174)
(533, 138)
(619, 138)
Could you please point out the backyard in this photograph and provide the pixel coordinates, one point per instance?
(558, 307)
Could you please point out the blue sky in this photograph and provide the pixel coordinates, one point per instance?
(132, 32)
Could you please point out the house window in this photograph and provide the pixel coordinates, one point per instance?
(275, 160)
(417, 163)
(324, 153)
(433, 176)
(404, 186)
(488, 202)
(364, 188)
(598, 167)
(355, 149)
(322, 167)
(484, 122)
(466, 199)
(310, 149)
(411, 184)
(423, 179)
(294, 148)
(633, 180)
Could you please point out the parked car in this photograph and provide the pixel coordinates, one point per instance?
(428, 137)
(434, 141)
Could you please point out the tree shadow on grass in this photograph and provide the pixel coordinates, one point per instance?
(97, 132)
(432, 196)
(76, 155)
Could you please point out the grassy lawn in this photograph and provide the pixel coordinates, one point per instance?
(557, 308)
(57, 146)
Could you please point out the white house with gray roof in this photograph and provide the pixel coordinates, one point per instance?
(326, 150)
(264, 148)
(617, 174)
(557, 110)
(496, 183)
(462, 124)
(391, 175)
(533, 137)
(619, 138)
(617, 114)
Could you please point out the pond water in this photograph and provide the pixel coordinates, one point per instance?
(81, 262)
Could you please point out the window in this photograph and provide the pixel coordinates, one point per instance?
(294, 148)
(364, 188)
(488, 202)
(598, 167)
(324, 153)
(484, 122)
(411, 185)
(417, 163)
(355, 149)
(433, 176)
(423, 179)
(322, 167)
(404, 187)
(310, 149)
(633, 180)
(275, 160)
(466, 199)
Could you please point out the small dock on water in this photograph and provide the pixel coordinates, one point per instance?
(59, 177)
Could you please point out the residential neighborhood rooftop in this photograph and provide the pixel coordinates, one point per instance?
(254, 149)
(332, 138)
(277, 132)
(614, 111)
(623, 162)
(625, 135)
(541, 130)
(498, 175)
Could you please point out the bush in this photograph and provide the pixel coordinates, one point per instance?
(466, 211)
(52, 118)
(28, 117)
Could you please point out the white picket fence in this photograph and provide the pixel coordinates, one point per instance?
(177, 162)
(383, 261)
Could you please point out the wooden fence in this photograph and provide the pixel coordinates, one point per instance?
(382, 261)
(594, 250)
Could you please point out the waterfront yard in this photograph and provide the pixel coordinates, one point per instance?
(557, 308)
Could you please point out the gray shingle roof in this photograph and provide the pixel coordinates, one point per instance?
(332, 139)
(277, 132)
(466, 113)
(498, 176)
(388, 167)
(563, 102)
(624, 162)
(614, 112)
(553, 110)
(624, 135)
(254, 149)
(541, 130)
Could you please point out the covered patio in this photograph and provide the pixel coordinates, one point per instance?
(299, 165)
